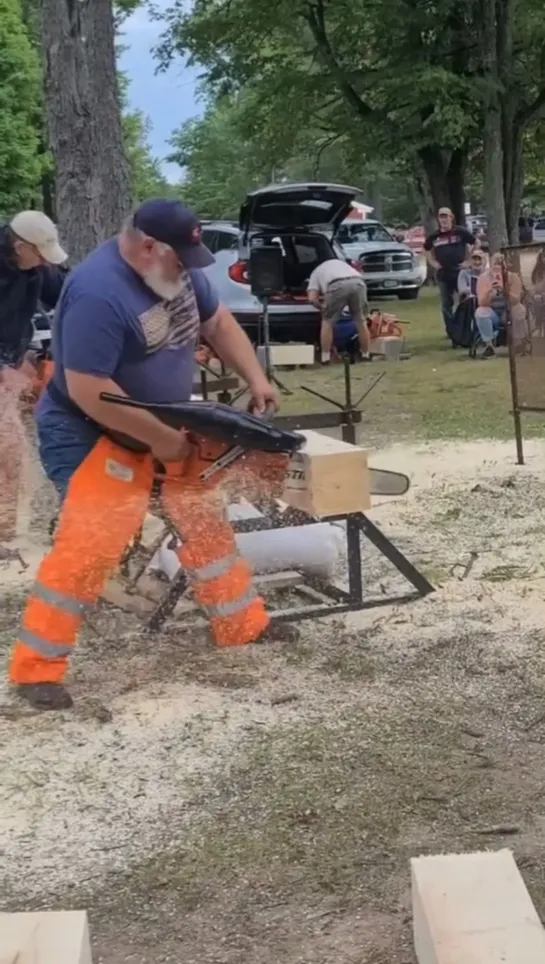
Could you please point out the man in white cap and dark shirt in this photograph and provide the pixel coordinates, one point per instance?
(30, 275)
(333, 286)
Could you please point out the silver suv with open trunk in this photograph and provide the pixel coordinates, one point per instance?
(304, 220)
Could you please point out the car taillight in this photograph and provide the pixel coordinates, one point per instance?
(239, 272)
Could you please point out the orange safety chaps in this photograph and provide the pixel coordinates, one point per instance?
(104, 508)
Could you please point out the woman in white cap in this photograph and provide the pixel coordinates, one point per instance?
(30, 275)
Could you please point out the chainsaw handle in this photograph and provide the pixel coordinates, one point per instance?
(267, 414)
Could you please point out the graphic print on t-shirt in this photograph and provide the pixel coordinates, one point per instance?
(172, 324)
(449, 247)
(442, 239)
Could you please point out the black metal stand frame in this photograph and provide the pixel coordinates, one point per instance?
(328, 598)
(264, 341)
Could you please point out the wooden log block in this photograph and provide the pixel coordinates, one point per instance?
(474, 909)
(390, 346)
(58, 937)
(328, 477)
(291, 354)
(115, 594)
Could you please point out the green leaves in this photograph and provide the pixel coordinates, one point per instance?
(386, 62)
(20, 96)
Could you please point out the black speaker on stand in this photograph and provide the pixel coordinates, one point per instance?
(266, 270)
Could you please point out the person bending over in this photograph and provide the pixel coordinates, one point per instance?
(333, 286)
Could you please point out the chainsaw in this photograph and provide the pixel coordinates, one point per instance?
(225, 424)
(220, 423)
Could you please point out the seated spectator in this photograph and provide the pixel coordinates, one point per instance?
(468, 277)
(538, 273)
(490, 315)
(538, 290)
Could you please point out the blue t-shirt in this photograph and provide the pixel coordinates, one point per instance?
(109, 323)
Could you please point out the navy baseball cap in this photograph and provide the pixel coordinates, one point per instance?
(174, 224)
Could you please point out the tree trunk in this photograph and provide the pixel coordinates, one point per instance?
(424, 199)
(445, 173)
(513, 172)
(92, 183)
(511, 132)
(455, 177)
(494, 197)
(433, 164)
(493, 168)
(48, 198)
(375, 197)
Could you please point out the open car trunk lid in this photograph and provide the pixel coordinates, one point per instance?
(292, 207)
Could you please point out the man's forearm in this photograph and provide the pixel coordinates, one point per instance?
(431, 260)
(232, 345)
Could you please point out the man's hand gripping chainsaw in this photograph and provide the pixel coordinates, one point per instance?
(220, 436)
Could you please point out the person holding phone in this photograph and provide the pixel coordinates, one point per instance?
(493, 296)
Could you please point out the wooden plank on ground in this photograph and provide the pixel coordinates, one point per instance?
(150, 591)
(474, 909)
(115, 594)
(56, 937)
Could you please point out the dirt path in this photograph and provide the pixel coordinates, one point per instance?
(263, 804)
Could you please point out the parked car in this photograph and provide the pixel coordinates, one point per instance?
(389, 267)
(538, 230)
(42, 322)
(304, 220)
(415, 239)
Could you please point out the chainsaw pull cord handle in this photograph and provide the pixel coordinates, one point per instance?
(267, 414)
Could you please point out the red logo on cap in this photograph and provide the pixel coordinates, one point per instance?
(196, 234)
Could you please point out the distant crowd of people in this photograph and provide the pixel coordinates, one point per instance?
(472, 286)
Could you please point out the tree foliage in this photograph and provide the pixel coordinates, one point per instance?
(416, 83)
(21, 164)
(380, 71)
(222, 161)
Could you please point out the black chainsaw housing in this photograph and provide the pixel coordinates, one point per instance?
(214, 421)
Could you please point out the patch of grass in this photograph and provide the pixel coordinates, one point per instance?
(359, 667)
(439, 393)
(507, 572)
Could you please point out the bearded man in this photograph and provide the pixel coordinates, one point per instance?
(128, 321)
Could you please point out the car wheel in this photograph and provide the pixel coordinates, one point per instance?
(410, 295)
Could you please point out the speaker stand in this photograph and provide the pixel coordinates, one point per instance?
(264, 342)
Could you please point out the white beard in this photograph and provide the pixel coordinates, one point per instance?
(168, 290)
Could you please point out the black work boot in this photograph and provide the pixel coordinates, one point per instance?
(279, 633)
(45, 696)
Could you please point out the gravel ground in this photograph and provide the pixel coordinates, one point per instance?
(264, 803)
